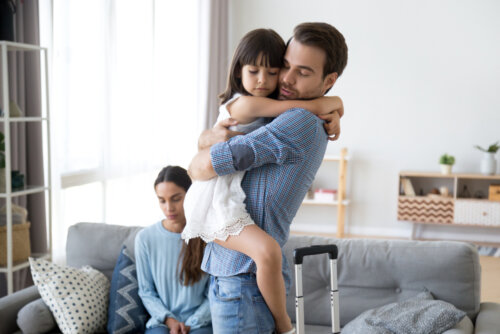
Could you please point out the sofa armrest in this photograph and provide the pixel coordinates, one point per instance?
(10, 306)
(488, 319)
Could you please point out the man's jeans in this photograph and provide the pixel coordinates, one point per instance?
(238, 307)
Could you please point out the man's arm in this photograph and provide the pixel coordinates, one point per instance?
(282, 141)
(219, 133)
(201, 167)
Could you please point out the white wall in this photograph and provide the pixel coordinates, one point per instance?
(423, 78)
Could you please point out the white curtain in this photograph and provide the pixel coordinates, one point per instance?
(129, 83)
(214, 28)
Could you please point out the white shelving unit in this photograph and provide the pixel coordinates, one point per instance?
(7, 120)
(341, 203)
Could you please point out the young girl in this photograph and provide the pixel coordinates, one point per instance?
(215, 209)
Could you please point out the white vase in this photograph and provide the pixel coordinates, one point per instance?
(445, 169)
(488, 164)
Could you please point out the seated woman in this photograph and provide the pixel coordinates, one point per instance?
(172, 286)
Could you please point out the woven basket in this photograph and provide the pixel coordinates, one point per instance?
(21, 248)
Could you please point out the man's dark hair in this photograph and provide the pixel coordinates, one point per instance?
(329, 39)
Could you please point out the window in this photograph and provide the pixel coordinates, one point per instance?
(123, 104)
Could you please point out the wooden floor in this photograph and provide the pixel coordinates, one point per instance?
(490, 271)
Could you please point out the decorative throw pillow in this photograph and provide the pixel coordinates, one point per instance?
(126, 313)
(78, 298)
(35, 318)
(418, 315)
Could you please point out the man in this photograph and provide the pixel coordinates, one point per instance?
(281, 160)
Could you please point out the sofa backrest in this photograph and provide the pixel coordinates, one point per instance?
(372, 273)
(98, 245)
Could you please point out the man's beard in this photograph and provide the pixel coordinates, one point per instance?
(292, 96)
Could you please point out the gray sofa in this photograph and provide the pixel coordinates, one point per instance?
(372, 273)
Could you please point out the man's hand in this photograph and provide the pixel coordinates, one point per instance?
(200, 168)
(176, 327)
(219, 133)
(332, 125)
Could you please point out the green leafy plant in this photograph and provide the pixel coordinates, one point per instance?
(493, 148)
(2, 150)
(447, 159)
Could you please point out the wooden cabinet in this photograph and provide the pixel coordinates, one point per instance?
(341, 202)
(466, 204)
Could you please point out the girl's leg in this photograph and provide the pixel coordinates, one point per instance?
(266, 252)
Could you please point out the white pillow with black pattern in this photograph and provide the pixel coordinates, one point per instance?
(77, 298)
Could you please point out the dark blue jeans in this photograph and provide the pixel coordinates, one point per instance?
(238, 307)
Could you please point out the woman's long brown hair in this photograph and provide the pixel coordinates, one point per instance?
(192, 253)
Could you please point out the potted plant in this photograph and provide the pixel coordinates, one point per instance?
(446, 161)
(489, 163)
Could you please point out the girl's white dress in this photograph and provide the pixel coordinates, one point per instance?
(215, 209)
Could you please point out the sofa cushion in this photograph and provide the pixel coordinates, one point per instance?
(78, 298)
(373, 273)
(36, 318)
(98, 245)
(418, 315)
(126, 313)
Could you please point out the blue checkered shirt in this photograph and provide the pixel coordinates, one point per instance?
(281, 160)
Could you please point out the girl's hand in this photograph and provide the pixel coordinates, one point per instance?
(328, 104)
(332, 125)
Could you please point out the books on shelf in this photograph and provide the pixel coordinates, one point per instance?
(407, 187)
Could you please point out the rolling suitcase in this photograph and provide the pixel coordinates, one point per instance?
(298, 256)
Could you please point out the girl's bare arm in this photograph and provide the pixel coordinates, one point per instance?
(247, 108)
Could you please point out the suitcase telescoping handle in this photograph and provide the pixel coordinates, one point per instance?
(298, 257)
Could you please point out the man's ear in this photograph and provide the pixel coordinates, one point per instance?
(329, 80)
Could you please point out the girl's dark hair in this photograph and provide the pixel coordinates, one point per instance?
(256, 42)
(192, 253)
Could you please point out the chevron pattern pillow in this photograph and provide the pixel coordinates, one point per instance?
(126, 313)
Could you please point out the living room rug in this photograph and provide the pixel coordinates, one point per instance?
(488, 251)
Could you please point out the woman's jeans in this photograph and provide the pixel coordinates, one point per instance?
(164, 330)
(238, 307)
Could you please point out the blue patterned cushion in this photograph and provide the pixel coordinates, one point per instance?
(126, 313)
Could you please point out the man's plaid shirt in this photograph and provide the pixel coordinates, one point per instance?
(281, 160)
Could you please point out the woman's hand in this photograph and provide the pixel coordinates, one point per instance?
(177, 327)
